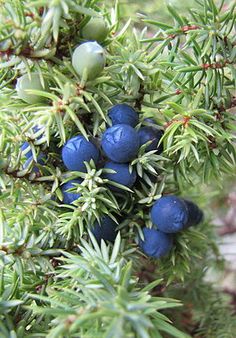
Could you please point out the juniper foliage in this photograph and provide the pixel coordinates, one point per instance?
(55, 279)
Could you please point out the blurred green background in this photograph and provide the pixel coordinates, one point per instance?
(156, 9)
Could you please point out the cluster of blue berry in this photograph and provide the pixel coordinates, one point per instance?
(170, 214)
(120, 144)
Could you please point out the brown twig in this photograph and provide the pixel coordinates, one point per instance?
(138, 102)
(216, 65)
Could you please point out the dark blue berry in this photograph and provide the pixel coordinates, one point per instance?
(78, 150)
(120, 143)
(195, 214)
(68, 196)
(105, 230)
(147, 134)
(123, 114)
(156, 243)
(26, 144)
(122, 176)
(169, 214)
(36, 129)
(41, 159)
(29, 153)
(149, 120)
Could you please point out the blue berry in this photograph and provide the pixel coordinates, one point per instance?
(89, 60)
(36, 129)
(150, 134)
(69, 197)
(152, 177)
(123, 114)
(195, 215)
(41, 159)
(106, 230)
(169, 214)
(122, 175)
(120, 143)
(24, 146)
(156, 243)
(76, 151)
(149, 120)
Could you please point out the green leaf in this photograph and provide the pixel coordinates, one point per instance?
(76, 120)
(178, 108)
(157, 23)
(152, 285)
(116, 248)
(189, 69)
(171, 330)
(175, 15)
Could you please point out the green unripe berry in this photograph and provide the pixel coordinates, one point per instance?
(88, 60)
(96, 29)
(25, 83)
(5, 45)
(19, 34)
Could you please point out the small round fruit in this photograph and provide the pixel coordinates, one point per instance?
(24, 146)
(41, 159)
(5, 46)
(120, 143)
(156, 244)
(25, 83)
(123, 114)
(96, 29)
(76, 151)
(122, 175)
(169, 214)
(105, 230)
(149, 120)
(68, 196)
(147, 134)
(89, 60)
(195, 214)
(37, 128)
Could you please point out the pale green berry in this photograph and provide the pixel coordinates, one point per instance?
(5, 45)
(89, 60)
(96, 29)
(25, 83)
